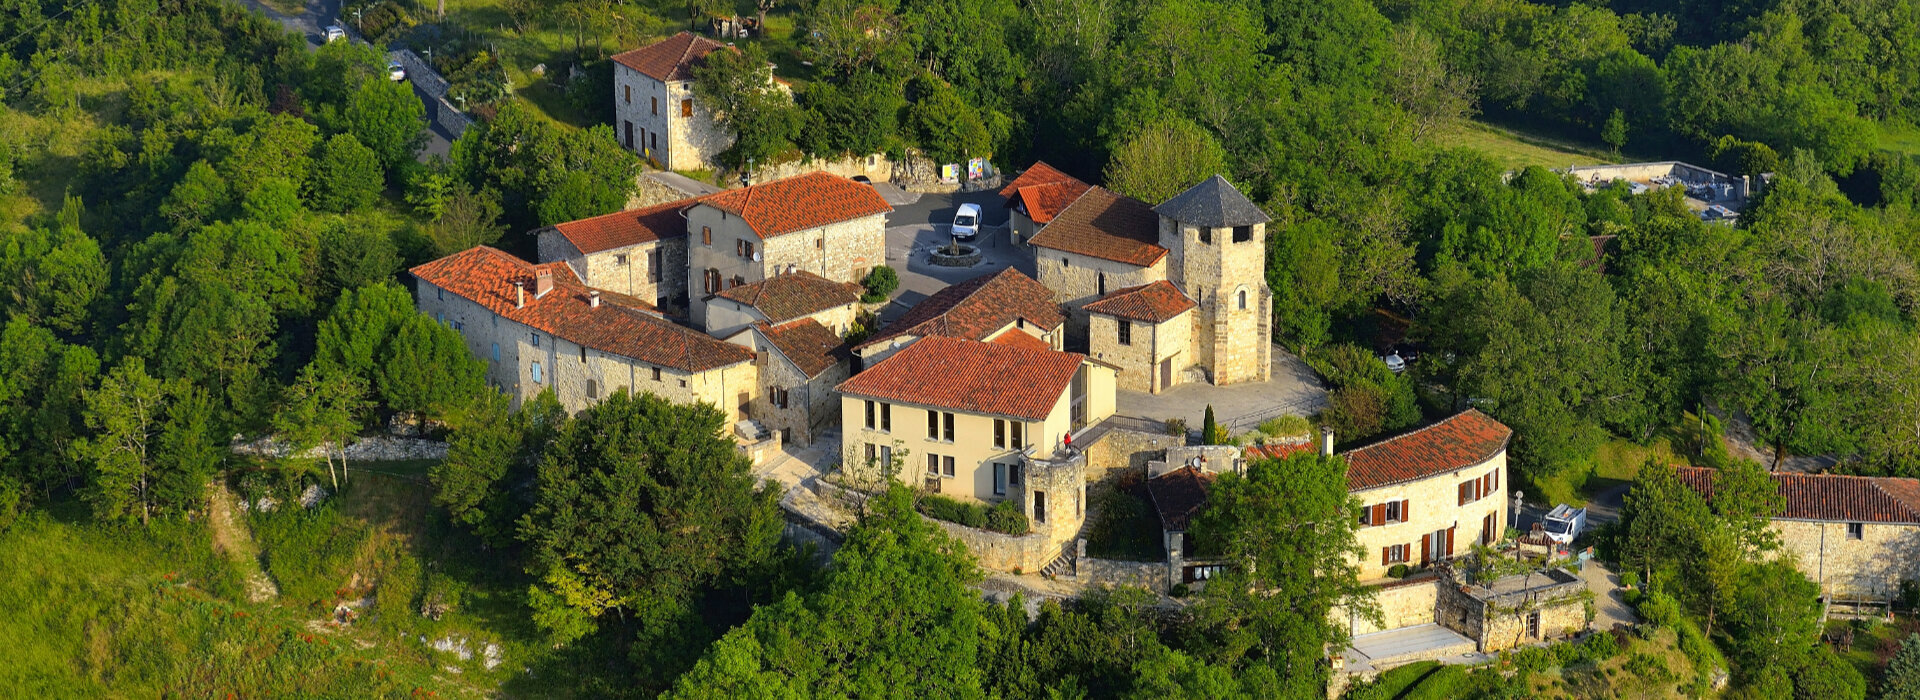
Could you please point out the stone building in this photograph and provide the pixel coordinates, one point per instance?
(1858, 537)
(1207, 244)
(1003, 307)
(640, 253)
(539, 327)
(1513, 610)
(1035, 197)
(654, 110)
(800, 361)
(783, 298)
(824, 224)
(982, 422)
(1149, 327)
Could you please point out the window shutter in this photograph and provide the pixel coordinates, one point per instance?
(1385, 555)
(1380, 514)
(1406, 516)
(1450, 539)
(1466, 487)
(1426, 549)
(1495, 479)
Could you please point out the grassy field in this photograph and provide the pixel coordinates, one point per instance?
(1617, 463)
(1518, 150)
(1650, 668)
(1900, 138)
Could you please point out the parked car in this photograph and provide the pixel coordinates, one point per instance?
(862, 179)
(966, 223)
(1565, 522)
(396, 72)
(1394, 362)
(335, 32)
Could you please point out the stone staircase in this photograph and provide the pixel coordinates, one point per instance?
(1062, 565)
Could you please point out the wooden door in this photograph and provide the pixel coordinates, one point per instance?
(1166, 373)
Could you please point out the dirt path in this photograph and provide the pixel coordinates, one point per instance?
(232, 538)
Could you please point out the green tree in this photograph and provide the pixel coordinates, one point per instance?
(1775, 617)
(357, 334)
(1901, 680)
(737, 87)
(43, 385)
(862, 634)
(322, 408)
(200, 196)
(1415, 75)
(354, 253)
(1208, 427)
(1286, 529)
(428, 370)
(467, 218)
(53, 277)
(347, 176)
(641, 504)
(948, 129)
(275, 202)
(494, 448)
(125, 414)
(386, 117)
(1615, 130)
(1164, 159)
(279, 146)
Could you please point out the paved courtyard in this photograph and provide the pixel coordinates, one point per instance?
(1384, 650)
(1294, 389)
(907, 251)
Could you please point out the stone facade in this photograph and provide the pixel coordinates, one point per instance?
(1515, 610)
(651, 271)
(726, 317)
(1866, 569)
(1078, 279)
(1156, 355)
(995, 551)
(664, 123)
(1435, 509)
(579, 377)
(1224, 271)
(843, 252)
(812, 405)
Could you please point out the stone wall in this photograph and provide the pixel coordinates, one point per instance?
(1151, 575)
(1151, 343)
(648, 191)
(913, 172)
(812, 406)
(1075, 279)
(651, 111)
(653, 272)
(1231, 339)
(1121, 449)
(1000, 552)
(1402, 604)
(1497, 621)
(1869, 568)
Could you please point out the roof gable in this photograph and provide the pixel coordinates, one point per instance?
(671, 59)
(1040, 174)
(811, 347)
(976, 308)
(1214, 203)
(1833, 497)
(624, 228)
(970, 376)
(1105, 225)
(793, 295)
(799, 203)
(620, 325)
(1179, 495)
(1462, 440)
(1154, 302)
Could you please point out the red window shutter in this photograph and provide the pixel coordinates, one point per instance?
(1406, 516)
(1380, 514)
(1466, 489)
(1384, 552)
(1450, 540)
(1496, 479)
(1426, 550)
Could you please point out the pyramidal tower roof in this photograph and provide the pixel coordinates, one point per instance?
(1214, 203)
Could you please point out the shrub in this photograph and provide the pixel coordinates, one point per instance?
(308, 552)
(1006, 517)
(1647, 666)
(442, 595)
(1533, 659)
(398, 585)
(1286, 426)
(1659, 609)
(950, 510)
(1696, 647)
(1179, 590)
(1399, 571)
(1177, 427)
(880, 284)
(1601, 646)
(1629, 579)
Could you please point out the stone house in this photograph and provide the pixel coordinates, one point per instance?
(655, 112)
(824, 224)
(539, 327)
(1035, 197)
(1513, 610)
(783, 298)
(1003, 306)
(801, 361)
(1856, 536)
(640, 253)
(1150, 328)
(1207, 243)
(982, 422)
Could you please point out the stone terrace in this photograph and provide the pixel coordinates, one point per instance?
(1294, 389)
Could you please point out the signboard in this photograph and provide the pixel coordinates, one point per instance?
(976, 168)
(950, 172)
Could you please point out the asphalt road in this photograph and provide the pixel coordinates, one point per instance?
(310, 23)
(939, 209)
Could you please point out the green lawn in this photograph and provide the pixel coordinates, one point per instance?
(1617, 463)
(1900, 138)
(1518, 150)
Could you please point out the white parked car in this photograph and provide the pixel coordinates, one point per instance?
(396, 72)
(1565, 522)
(966, 223)
(1394, 362)
(335, 32)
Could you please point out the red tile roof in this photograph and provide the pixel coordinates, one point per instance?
(1179, 495)
(970, 376)
(1832, 496)
(1039, 174)
(1278, 450)
(1466, 439)
(1108, 226)
(799, 203)
(1154, 302)
(621, 324)
(977, 307)
(1044, 190)
(1020, 339)
(624, 228)
(671, 59)
(810, 346)
(792, 295)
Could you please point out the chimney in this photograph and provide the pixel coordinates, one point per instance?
(542, 283)
(593, 298)
(1326, 442)
(519, 294)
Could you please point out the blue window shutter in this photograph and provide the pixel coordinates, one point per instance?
(496, 352)
(536, 373)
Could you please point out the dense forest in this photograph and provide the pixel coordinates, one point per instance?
(203, 224)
